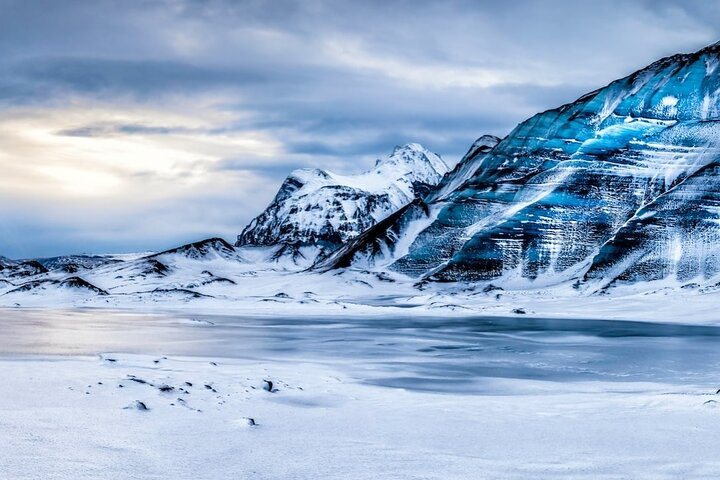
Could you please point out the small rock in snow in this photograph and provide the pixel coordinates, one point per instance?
(137, 405)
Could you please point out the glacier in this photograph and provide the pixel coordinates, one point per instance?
(618, 186)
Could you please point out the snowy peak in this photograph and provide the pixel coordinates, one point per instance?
(407, 163)
(211, 247)
(299, 179)
(415, 161)
(317, 208)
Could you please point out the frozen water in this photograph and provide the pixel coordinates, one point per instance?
(436, 354)
(353, 397)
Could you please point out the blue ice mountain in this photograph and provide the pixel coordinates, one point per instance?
(621, 185)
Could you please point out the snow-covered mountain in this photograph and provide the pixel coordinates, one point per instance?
(618, 186)
(75, 263)
(20, 269)
(323, 210)
(195, 270)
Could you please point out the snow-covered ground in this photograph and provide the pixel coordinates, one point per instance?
(248, 283)
(353, 398)
(159, 367)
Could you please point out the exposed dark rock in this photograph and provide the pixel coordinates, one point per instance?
(135, 379)
(180, 291)
(491, 288)
(154, 267)
(250, 422)
(138, 405)
(79, 283)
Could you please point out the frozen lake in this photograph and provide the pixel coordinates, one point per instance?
(427, 354)
(354, 397)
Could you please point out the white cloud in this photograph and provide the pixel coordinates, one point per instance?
(114, 150)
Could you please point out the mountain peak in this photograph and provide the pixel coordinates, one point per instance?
(416, 147)
(317, 208)
(487, 141)
(413, 155)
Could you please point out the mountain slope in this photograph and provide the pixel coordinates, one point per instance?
(564, 182)
(387, 239)
(465, 169)
(569, 190)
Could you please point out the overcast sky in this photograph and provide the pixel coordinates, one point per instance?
(141, 125)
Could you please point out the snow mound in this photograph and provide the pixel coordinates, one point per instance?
(74, 284)
(75, 263)
(202, 249)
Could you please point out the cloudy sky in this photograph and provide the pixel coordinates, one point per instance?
(139, 125)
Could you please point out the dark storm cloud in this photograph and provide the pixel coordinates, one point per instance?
(102, 76)
(336, 83)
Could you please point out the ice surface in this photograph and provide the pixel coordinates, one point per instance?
(354, 398)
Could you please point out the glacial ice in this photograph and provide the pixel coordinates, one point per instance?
(569, 190)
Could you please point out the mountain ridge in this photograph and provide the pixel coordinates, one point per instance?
(317, 208)
(588, 165)
(619, 188)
